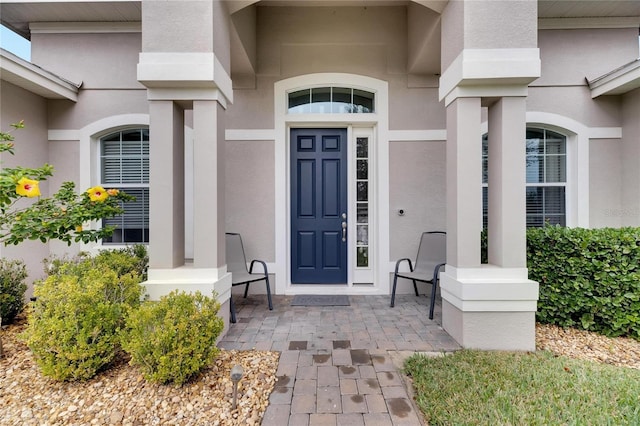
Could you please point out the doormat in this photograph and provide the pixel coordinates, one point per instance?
(320, 300)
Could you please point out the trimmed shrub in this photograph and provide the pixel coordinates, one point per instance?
(13, 273)
(133, 259)
(125, 260)
(589, 278)
(77, 314)
(174, 339)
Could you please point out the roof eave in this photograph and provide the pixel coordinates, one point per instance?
(617, 82)
(34, 79)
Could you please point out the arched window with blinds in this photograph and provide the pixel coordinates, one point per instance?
(124, 164)
(546, 170)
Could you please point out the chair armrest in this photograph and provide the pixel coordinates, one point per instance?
(406, 259)
(264, 266)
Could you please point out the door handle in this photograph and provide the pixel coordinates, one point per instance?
(344, 231)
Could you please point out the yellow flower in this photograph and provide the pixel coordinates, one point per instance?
(79, 228)
(113, 192)
(97, 193)
(28, 187)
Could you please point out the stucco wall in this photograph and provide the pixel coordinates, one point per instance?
(513, 24)
(64, 156)
(249, 196)
(366, 41)
(575, 102)
(94, 105)
(452, 32)
(31, 150)
(465, 24)
(570, 56)
(177, 26)
(294, 41)
(107, 72)
(414, 108)
(631, 159)
(605, 183)
(252, 108)
(98, 61)
(417, 182)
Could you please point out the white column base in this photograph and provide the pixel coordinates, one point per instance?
(189, 279)
(489, 308)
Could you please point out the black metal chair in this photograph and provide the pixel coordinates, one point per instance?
(237, 265)
(431, 258)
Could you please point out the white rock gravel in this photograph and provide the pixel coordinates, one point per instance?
(120, 395)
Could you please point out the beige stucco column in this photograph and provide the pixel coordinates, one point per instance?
(489, 56)
(507, 181)
(166, 185)
(189, 66)
(208, 185)
(464, 183)
(489, 306)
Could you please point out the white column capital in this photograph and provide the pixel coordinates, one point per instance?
(490, 73)
(184, 70)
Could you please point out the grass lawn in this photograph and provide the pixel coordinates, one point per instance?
(503, 388)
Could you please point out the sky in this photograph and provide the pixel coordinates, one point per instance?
(14, 43)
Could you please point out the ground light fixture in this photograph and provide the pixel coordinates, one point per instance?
(236, 375)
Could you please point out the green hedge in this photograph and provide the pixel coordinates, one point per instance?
(589, 278)
(174, 339)
(79, 310)
(13, 274)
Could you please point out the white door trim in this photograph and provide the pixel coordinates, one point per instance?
(379, 121)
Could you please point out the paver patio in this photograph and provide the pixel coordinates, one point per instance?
(337, 362)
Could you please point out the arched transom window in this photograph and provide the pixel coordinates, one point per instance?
(331, 100)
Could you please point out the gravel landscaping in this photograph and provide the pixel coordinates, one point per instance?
(581, 344)
(121, 396)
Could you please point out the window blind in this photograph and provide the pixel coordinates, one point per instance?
(125, 165)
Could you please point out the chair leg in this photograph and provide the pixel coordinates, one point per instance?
(393, 292)
(432, 304)
(415, 287)
(269, 293)
(246, 290)
(232, 307)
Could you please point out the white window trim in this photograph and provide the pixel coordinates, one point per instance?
(88, 140)
(578, 136)
(564, 184)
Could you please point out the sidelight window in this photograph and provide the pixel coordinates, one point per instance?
(362, 202)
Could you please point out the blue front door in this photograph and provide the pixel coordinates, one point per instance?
(318, 206)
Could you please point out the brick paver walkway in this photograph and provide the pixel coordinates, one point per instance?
(337, 362)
